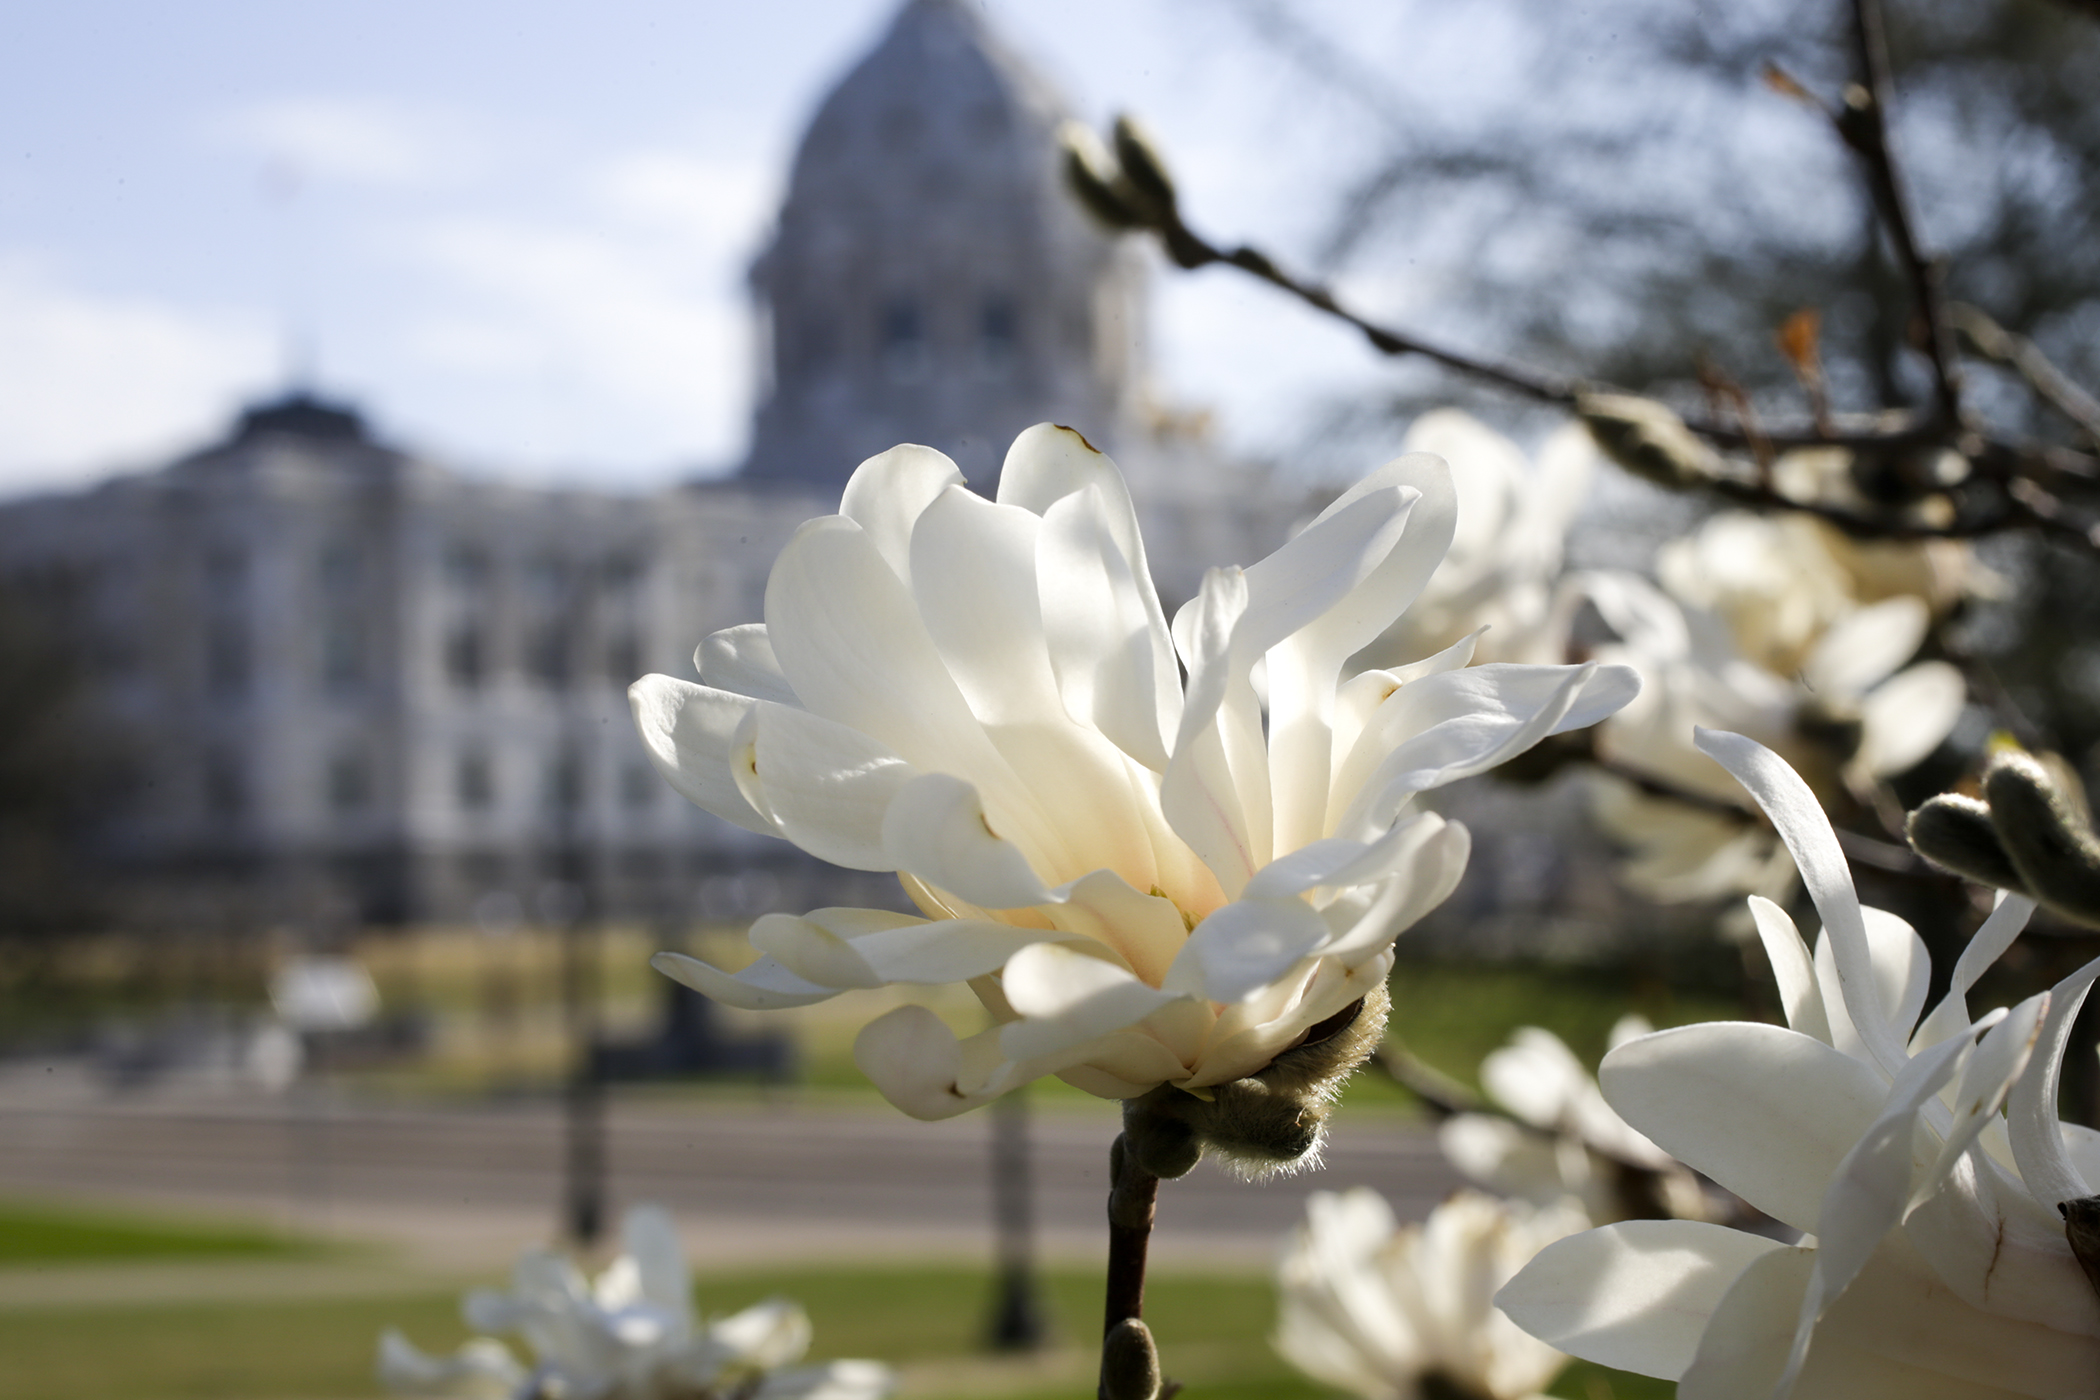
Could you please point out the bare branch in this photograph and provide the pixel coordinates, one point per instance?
(1994, 342)
(1862, 124)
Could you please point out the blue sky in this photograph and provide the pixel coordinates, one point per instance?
(516, 232)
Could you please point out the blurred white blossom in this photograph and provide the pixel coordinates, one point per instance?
(1776, 628)
(628, 1335)
(1505, 556)
(1561, 1140)
(1932, 1259)
(1395, 1312)
(1144, 883)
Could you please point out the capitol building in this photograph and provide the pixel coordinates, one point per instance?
(347, 684)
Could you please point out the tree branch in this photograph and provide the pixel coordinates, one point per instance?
(1862, 124)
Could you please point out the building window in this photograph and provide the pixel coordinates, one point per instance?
(639, 786)
(998, 333)
(904, 350)
(565, 783)
(466, 658)
(547, 656)
(342, 651)
(623, 660)
(226, 657)
(475, 782)
(349, 783)
(225, 790)
(548, 579)
(466, 568)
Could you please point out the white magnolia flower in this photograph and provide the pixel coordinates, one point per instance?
(1389, 1312)
(1498, 578)
(630, 1335)
(1933, 1261)
(1561, 1138)
(1145, 883)
(1762, 632)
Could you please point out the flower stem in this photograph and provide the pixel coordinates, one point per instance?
(1132, 1195)
(1129, 1360)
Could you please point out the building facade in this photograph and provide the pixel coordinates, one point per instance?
(347, 684)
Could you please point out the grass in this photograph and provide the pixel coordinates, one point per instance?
(1453, 1014)
(927, 1321)
(33, 1232)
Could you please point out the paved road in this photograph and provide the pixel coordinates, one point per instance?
(463, 1187)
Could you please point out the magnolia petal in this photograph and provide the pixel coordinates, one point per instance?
(1427, 860)
(1793, 809)
(1635, 1295)
(1926, 1341)
(765, 1335)
(2000, 1250)
(649, 1237)
(1199, 794)
(763, 986)
(1066, 997)
(2030, 1111)
(1986, 1080)
(973, 577)
(1743, 1350)
(1129, 1062)
(1767, 1113)
(946, 950)
(740, 660)
(1902, 974)
(1866, 645)
(851, 642)
(1868, 1193)
(1318, 570)
(2007, 919)
(826, 786)
(687, 730)
(482, 1369)
(887, 493)
(834, 1380)
(937, 829)
(1459, 723)
(1245, 947)
(1907, 716)
(1792, 967)
(814, 953)
(1536, 1077)
(1124, 679)
(1105, 633)
(1146, 931)
(917, 1063)
(1316, 578)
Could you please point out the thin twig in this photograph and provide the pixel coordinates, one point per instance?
(2018, 353)
(1862, 124)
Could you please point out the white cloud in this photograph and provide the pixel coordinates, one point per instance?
(613, 329)
(89, 380)
(358, 140)
(717, 204)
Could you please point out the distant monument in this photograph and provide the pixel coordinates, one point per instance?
(930, 280)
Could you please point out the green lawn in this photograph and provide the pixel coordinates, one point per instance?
(1213, 1332)
(33, 1232)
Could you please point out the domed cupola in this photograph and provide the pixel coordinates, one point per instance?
(930, 280)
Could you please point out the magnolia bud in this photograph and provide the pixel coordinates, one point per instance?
(1647, 439)
(1272, 1121)
(2047, 835)
(1956, 834)
(1144, 168)
(1129, 1362)
(1091, 174)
